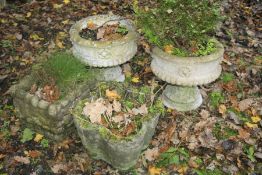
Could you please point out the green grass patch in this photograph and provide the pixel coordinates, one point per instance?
(216, 98)
(227, 77)
(222, 133)
(64, 69)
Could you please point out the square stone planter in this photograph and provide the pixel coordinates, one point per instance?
(53, 120)
(122, 153)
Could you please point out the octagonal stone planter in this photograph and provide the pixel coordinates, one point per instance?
(104, 53)
(101, 143)
(53, 120)
(186, 73)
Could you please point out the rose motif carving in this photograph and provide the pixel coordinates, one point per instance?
(103, 54)
(185, 71)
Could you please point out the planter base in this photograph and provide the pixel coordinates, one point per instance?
(112, 74)
(182, 98)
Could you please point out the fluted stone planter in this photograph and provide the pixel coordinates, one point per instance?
(101, 143)
(104, 53)
(53, 120)
(184, 74)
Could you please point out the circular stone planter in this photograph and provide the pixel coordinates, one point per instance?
(186, 72)
(104, 53)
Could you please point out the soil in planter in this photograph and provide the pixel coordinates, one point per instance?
(106, 32)
(57, 76)
(121, 108)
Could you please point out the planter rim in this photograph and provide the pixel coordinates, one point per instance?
(78, 117)
(199, 59)
(77, 27)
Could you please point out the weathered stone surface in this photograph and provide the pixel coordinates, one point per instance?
(103, 53)
(182, 98)
(187, 71)
(52, 120)
(120, 153)
(112, 74)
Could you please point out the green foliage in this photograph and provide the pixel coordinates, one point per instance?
(6, 44)
(64, 69)
(249, 150)
(216, 98)
(5, 129)
(27, 135)
(209, 172)
(227, 77)
(122, 30)
(183, 24)
(223, 133)
(172, 156)
(44, 143)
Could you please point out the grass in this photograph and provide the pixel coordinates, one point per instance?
(64, 69)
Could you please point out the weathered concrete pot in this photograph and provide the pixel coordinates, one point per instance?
(54, 120)
(104, 53)
(186, 71)
(102, 144)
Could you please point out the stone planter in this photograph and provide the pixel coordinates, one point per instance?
(104, 53)
(53, 120)
(101, 143)
(187, 73)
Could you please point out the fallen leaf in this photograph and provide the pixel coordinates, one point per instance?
(255, 119)
(117, 106)
(59, 167)
(141, 110)
(57, 6)
(34, 154)
(38, 137)
(20, 159)
(28, 14)
(91, 25)
(95, 110)
(135, 80)
(66, 1)
(222, 109)
(36, 37)
(251, 125)
(65, 21)
(118, 118)
(59, 43)
(169, 48)
(204, 114)
(154, 171)
(243, 134)
(245, 104)
(151, 154)
(112, 95)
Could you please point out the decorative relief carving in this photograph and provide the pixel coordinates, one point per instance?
(104, 54)
(185, 71)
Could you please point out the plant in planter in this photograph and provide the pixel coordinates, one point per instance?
(43, 98)
(184, 54)
(104, 41)
(117, 122)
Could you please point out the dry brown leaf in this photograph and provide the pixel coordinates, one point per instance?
(243, 134)
(204, 114)
(154, 171)
(117, 106)
(118, 118)
(141, 110)
(222, 109)
(112, 95)
(169, 48)
(20, 159)
(95, 110)
(59, 167)
(151, 154)
(245, 104)
(34, 154)
(91, 25)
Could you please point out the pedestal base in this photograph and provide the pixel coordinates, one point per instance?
(112, 74)
(182, 98)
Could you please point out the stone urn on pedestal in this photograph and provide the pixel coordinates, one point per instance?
(105, 54)
(184, 74)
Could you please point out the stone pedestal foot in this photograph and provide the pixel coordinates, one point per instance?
(182, 98)
(112, 74)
